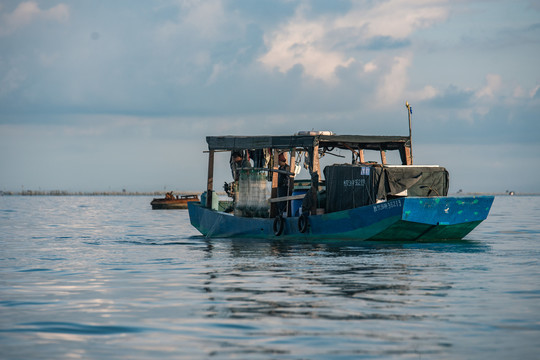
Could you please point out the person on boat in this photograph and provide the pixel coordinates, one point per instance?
(238, 162)
(283, 182)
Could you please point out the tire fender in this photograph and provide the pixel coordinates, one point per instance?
(279, 225)
(303, 222)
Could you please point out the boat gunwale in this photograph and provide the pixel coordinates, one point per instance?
(361, 223)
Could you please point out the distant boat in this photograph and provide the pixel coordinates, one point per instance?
(359, 200)
(172, 202)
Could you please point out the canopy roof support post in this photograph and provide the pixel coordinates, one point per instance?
(361, 156)
(273, 195)
(383, 157)
(405, 155)
(315, 176)
(292, 169)
(210, 182)
(408, 155)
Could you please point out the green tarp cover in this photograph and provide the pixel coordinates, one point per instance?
(416, 180)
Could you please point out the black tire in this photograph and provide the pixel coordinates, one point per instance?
(303, 222)
(279, 225)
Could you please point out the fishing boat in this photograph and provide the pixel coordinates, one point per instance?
(173, 202)
(356, 200)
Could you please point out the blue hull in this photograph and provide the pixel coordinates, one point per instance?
(412, 218)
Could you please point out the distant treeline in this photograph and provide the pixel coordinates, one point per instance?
(93, 193)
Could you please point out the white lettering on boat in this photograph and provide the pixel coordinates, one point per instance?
(387, 205)
(354, 182)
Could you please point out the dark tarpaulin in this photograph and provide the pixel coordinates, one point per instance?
(349, 186)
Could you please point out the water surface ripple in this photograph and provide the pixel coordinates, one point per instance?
(108, 278)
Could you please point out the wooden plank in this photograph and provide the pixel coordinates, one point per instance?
(383, 157)
(287, 198)
(210, 182)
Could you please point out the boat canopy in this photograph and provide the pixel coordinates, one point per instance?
(306, 141)
(324, 141)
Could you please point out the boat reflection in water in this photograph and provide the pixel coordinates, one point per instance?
(386, 280)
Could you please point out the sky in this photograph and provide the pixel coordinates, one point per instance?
(111, 95)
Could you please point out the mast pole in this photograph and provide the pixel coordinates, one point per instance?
(409, 111)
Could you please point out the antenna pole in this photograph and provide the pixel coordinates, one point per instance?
(409, 112)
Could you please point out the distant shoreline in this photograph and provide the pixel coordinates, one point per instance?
(94, 193)
(163, 192)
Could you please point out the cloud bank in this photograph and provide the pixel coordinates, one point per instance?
(180, 70)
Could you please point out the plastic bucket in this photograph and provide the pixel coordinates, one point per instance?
(215, 200)
(296, 205)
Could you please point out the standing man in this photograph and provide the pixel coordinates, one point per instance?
(238, 162)
(283, 182)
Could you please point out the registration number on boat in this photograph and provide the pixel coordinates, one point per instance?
(387, 205)
(354, 182)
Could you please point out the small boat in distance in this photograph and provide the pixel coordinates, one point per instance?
(173, 202)
(357, 200)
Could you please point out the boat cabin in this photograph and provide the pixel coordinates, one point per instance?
(346, 185)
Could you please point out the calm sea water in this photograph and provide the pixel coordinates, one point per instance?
(109, 278)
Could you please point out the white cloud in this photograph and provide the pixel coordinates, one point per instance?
(217, 70)
(188, 42)
(208, 17)
(393, 84)
(370, 67)
(394, 18)
(493, 85)
(518, 92)
(428, 92)
(28, 12)
(318, 44)
(204, 21)
(302, 42)
(534, 91)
